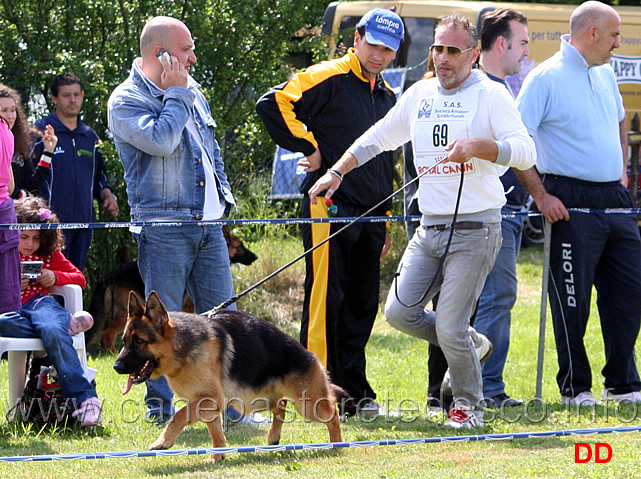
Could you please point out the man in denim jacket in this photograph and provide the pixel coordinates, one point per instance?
(164, 135)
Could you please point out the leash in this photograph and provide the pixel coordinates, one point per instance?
(235, 298)
(442, 260)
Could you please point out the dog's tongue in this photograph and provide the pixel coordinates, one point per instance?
(130, 382)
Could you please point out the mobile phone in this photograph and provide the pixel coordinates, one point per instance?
(32, 269)
(163, 53)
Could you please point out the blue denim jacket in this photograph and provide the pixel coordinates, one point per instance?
(163, 164)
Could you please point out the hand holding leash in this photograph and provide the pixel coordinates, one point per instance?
(331, 180)
(232, 300)
(463, 149)
(329, 183)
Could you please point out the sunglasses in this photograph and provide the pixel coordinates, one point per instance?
(451, 49)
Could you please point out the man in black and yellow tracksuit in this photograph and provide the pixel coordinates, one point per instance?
(320, 112)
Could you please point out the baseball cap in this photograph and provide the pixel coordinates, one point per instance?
(383, 27)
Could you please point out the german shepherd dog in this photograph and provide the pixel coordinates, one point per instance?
(109, 301)
(231, 356)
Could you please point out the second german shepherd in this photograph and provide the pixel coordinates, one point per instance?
(232, 356)
(109, 301)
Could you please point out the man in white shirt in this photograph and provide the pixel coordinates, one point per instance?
(464, 116)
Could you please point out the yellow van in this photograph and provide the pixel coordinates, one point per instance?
(546, 24)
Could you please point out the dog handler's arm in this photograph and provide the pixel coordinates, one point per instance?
(332, 180)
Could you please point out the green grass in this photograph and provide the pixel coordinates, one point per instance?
(397, 368)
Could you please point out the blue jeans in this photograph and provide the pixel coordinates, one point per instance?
(172, 260)
(493, 316)
(469, 260)
(42, 317)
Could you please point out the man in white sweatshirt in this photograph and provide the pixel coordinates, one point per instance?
(473, 121)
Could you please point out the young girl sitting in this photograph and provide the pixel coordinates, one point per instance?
(41, 316)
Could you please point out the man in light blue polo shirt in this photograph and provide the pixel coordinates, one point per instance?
(572, 107)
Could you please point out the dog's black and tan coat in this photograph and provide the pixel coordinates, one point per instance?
(109, 301)
(232, 356)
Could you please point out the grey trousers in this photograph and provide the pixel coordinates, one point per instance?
(468, 262)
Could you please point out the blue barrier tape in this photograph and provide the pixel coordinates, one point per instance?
(285, 221)
(282, 221)
(317, 446)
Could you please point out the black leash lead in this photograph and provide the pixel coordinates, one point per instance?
(447, 249)
(235, 298)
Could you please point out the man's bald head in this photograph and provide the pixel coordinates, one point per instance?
(157, 32)
(174, 37)
(590, 14)
(595, 31)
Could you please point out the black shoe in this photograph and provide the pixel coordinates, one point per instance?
(347, 407)
(501, 400)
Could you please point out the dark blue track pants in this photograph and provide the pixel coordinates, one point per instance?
(604, 250)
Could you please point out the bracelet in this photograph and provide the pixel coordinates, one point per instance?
(47, 153)
(336, 173)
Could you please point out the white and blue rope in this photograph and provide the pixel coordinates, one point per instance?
(281, 221)
(318, 446)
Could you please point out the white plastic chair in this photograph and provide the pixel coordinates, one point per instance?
(17, 348)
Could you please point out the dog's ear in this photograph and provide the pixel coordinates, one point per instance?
(156, 311)
(136, 307)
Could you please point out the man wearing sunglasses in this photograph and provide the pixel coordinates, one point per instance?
(464, 116)
(504, 45)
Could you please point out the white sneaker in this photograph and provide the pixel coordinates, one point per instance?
(370, 409)
(627, 398)
(461, 417)
(484, 350)
(89, 413)
(483, 347)
(434, 413)
(585, 398)
(434, 409)
(254, 419)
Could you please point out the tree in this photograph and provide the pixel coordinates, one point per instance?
(240, 46)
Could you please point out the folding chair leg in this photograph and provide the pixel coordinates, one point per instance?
(17, 374)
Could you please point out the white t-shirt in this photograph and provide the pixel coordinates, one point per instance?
(213, 208)
(431, 117)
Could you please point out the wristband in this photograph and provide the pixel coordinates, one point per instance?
(336, 173)
(47, 153)
(45, 161)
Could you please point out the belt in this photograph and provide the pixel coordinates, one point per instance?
(461, 225)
